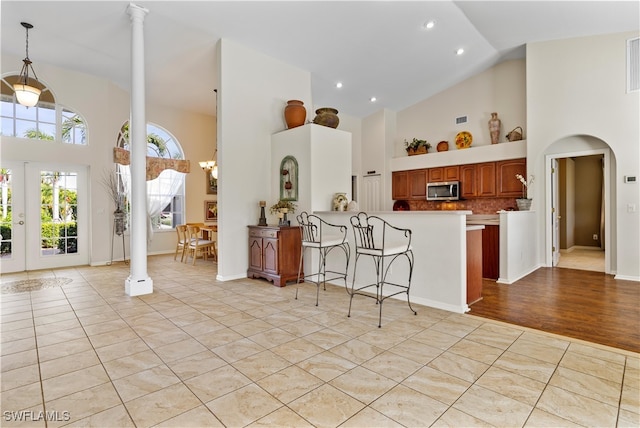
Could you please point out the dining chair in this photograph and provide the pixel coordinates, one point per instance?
(385, 244)
(183, 241)
(197, 244)
(325, 237)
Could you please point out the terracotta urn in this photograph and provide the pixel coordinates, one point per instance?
(294, 113)
(327, 116)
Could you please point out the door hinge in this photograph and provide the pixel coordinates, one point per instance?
(554, 249)
(553, 170)
(553, 210)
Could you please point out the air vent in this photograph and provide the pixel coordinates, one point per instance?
(461, 119)
(633, 65)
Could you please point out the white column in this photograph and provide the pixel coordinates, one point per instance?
(139, 281)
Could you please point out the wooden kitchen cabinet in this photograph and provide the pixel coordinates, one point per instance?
(274, 253)
(399, 185)
(468, 181)
(418, 184)
(478, 180)
(444, 173)
(474, 265)
(486, 176)
(491, 252)
(507, 183)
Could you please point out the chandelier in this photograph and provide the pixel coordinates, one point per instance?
(26, 94)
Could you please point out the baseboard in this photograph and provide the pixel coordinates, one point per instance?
(519, 277)
(627, 278)
(422, 301)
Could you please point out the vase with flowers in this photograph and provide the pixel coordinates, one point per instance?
(281, 209)
(524, 203)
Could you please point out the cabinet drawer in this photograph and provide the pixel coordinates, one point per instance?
(263, 233)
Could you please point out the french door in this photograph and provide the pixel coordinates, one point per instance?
(43, 217)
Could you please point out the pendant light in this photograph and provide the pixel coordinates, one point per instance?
(26, 94)
(210, 165)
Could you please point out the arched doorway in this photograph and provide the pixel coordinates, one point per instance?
(581, 148)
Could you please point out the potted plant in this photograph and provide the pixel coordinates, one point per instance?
(281, 208)
(416, 147)
(524, 203)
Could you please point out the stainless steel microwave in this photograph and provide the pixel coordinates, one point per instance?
(444, 191)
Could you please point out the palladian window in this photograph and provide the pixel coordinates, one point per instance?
(165, 190)
(46, 121)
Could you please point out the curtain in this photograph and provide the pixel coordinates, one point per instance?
(160, 192)
(154, 165)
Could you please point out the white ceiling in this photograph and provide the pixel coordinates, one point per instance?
(376, 48)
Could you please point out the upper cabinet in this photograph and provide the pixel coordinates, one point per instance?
(399, 185)
(418, 184)
(444, 173)
(508, 184)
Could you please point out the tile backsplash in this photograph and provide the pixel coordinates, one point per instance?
(478, 206)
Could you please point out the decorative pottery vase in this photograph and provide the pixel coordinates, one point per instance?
(340, 202)
(494, 128)
(524, 204)
(442, 146)
(294, 113)
(327, 116)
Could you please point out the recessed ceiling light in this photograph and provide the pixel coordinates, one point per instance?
(372, 99)
(339, 85)
(460, 51)
(428, 25)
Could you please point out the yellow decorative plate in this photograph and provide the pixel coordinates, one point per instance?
(463, 140)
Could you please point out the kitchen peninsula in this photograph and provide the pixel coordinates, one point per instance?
(439, 242)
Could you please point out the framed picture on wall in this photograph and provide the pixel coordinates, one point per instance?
(210, 210)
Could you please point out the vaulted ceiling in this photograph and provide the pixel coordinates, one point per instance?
(375, 48)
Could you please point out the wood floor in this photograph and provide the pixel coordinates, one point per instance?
(581, 304)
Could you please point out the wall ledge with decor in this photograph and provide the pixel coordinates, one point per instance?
(486, 153)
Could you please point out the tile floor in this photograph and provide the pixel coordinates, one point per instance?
(202, 353)
(583, 259)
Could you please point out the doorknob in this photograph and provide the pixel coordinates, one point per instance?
(21, 222)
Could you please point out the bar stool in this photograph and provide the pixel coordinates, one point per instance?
(324, 237)
(385, 243)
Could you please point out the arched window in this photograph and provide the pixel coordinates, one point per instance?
(165, 194)
(46, 121)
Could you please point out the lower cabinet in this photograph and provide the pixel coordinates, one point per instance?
(274, 253)
(474, 266)
(491, 252)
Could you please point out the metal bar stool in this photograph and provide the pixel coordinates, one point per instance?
(324, 237)
(385, 243)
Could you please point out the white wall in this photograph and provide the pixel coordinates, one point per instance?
(105, 108)
(253, 91)
(577, 87)
(499, 89)
(324, 165)
(517, 252)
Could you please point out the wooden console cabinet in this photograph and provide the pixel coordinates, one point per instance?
(274, 253)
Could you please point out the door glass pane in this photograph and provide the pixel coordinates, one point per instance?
(5, 220)
(58, 213)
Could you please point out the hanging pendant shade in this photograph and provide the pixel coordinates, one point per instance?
(26, 94)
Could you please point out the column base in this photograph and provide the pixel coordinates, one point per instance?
(138, 287)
